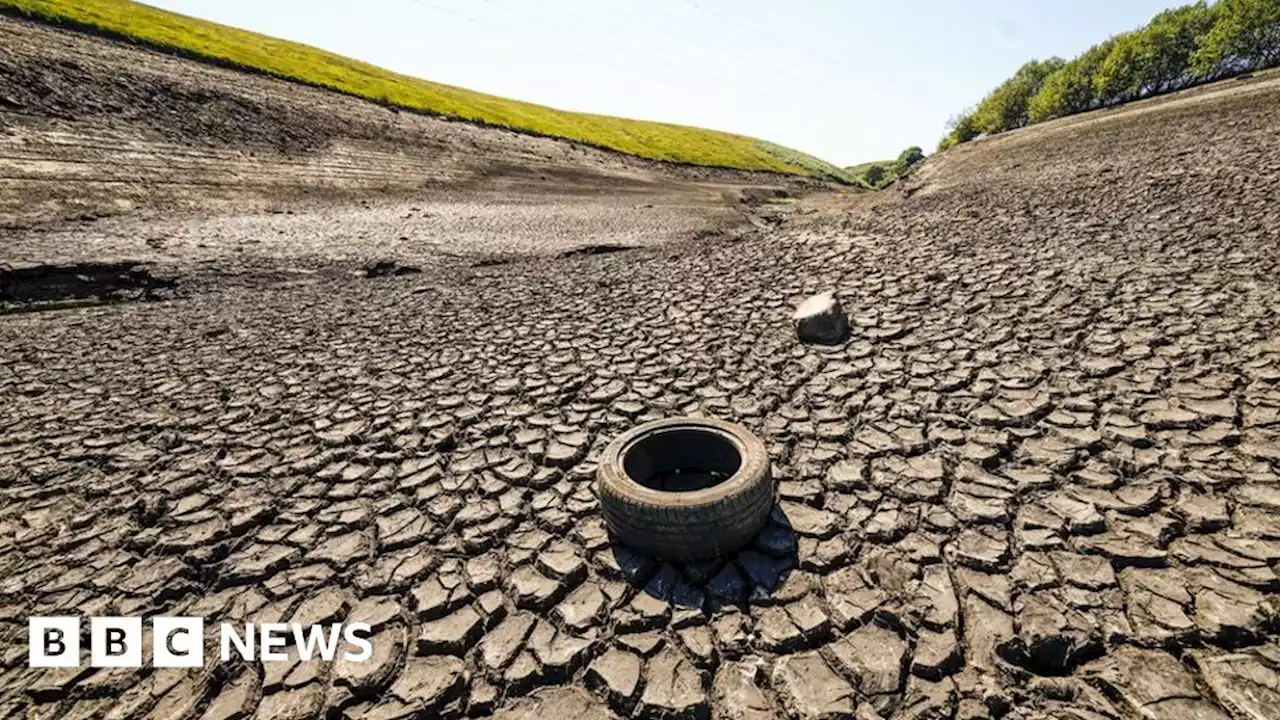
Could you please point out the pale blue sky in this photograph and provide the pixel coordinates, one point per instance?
(849, 81)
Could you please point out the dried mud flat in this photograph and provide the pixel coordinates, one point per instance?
(1040, 480)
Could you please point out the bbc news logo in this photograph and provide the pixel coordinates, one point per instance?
(178, 642)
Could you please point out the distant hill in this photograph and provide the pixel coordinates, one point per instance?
(878, 173)
(241, 49)
(865, 175)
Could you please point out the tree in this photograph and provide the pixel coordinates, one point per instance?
(907, 158)
(960, 128)
(1154, 59)
(1166, 45)
(1070, 88)
(1006, 107)
(1178, 48)
(874, 175)
(1245, 35)
(1119, 76)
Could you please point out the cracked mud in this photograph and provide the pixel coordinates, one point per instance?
(1039, 480)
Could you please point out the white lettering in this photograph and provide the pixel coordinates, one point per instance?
(180, 642)
(243, 645)
(315, 638)
(366, 647)
(272, 638)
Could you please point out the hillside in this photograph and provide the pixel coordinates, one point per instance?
(880, 173)
(250, 51)
(94, 127)
(865, 174)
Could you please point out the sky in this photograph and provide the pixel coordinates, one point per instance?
(849, 81)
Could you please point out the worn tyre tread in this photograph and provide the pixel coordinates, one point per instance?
(687, 526)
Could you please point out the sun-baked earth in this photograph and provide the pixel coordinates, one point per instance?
(1041, 480)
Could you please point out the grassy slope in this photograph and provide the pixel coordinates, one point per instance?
(859, 172)
(293, 61)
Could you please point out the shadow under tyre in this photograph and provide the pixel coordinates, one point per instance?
(685, 489)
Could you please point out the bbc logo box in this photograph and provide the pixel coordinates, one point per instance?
(176, 642)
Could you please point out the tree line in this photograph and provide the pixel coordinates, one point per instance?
(1179, 48)
(876, 175)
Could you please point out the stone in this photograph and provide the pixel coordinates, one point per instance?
(820, 319)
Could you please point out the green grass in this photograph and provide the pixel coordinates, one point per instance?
(858, 173)
(808, 163)
(246, 50)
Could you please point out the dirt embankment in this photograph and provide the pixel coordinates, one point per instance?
(91, 127)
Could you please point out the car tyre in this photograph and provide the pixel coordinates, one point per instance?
(694, 525)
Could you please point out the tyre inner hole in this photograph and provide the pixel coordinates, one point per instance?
(682, 460)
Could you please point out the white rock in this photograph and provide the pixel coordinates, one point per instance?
(820, 319)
